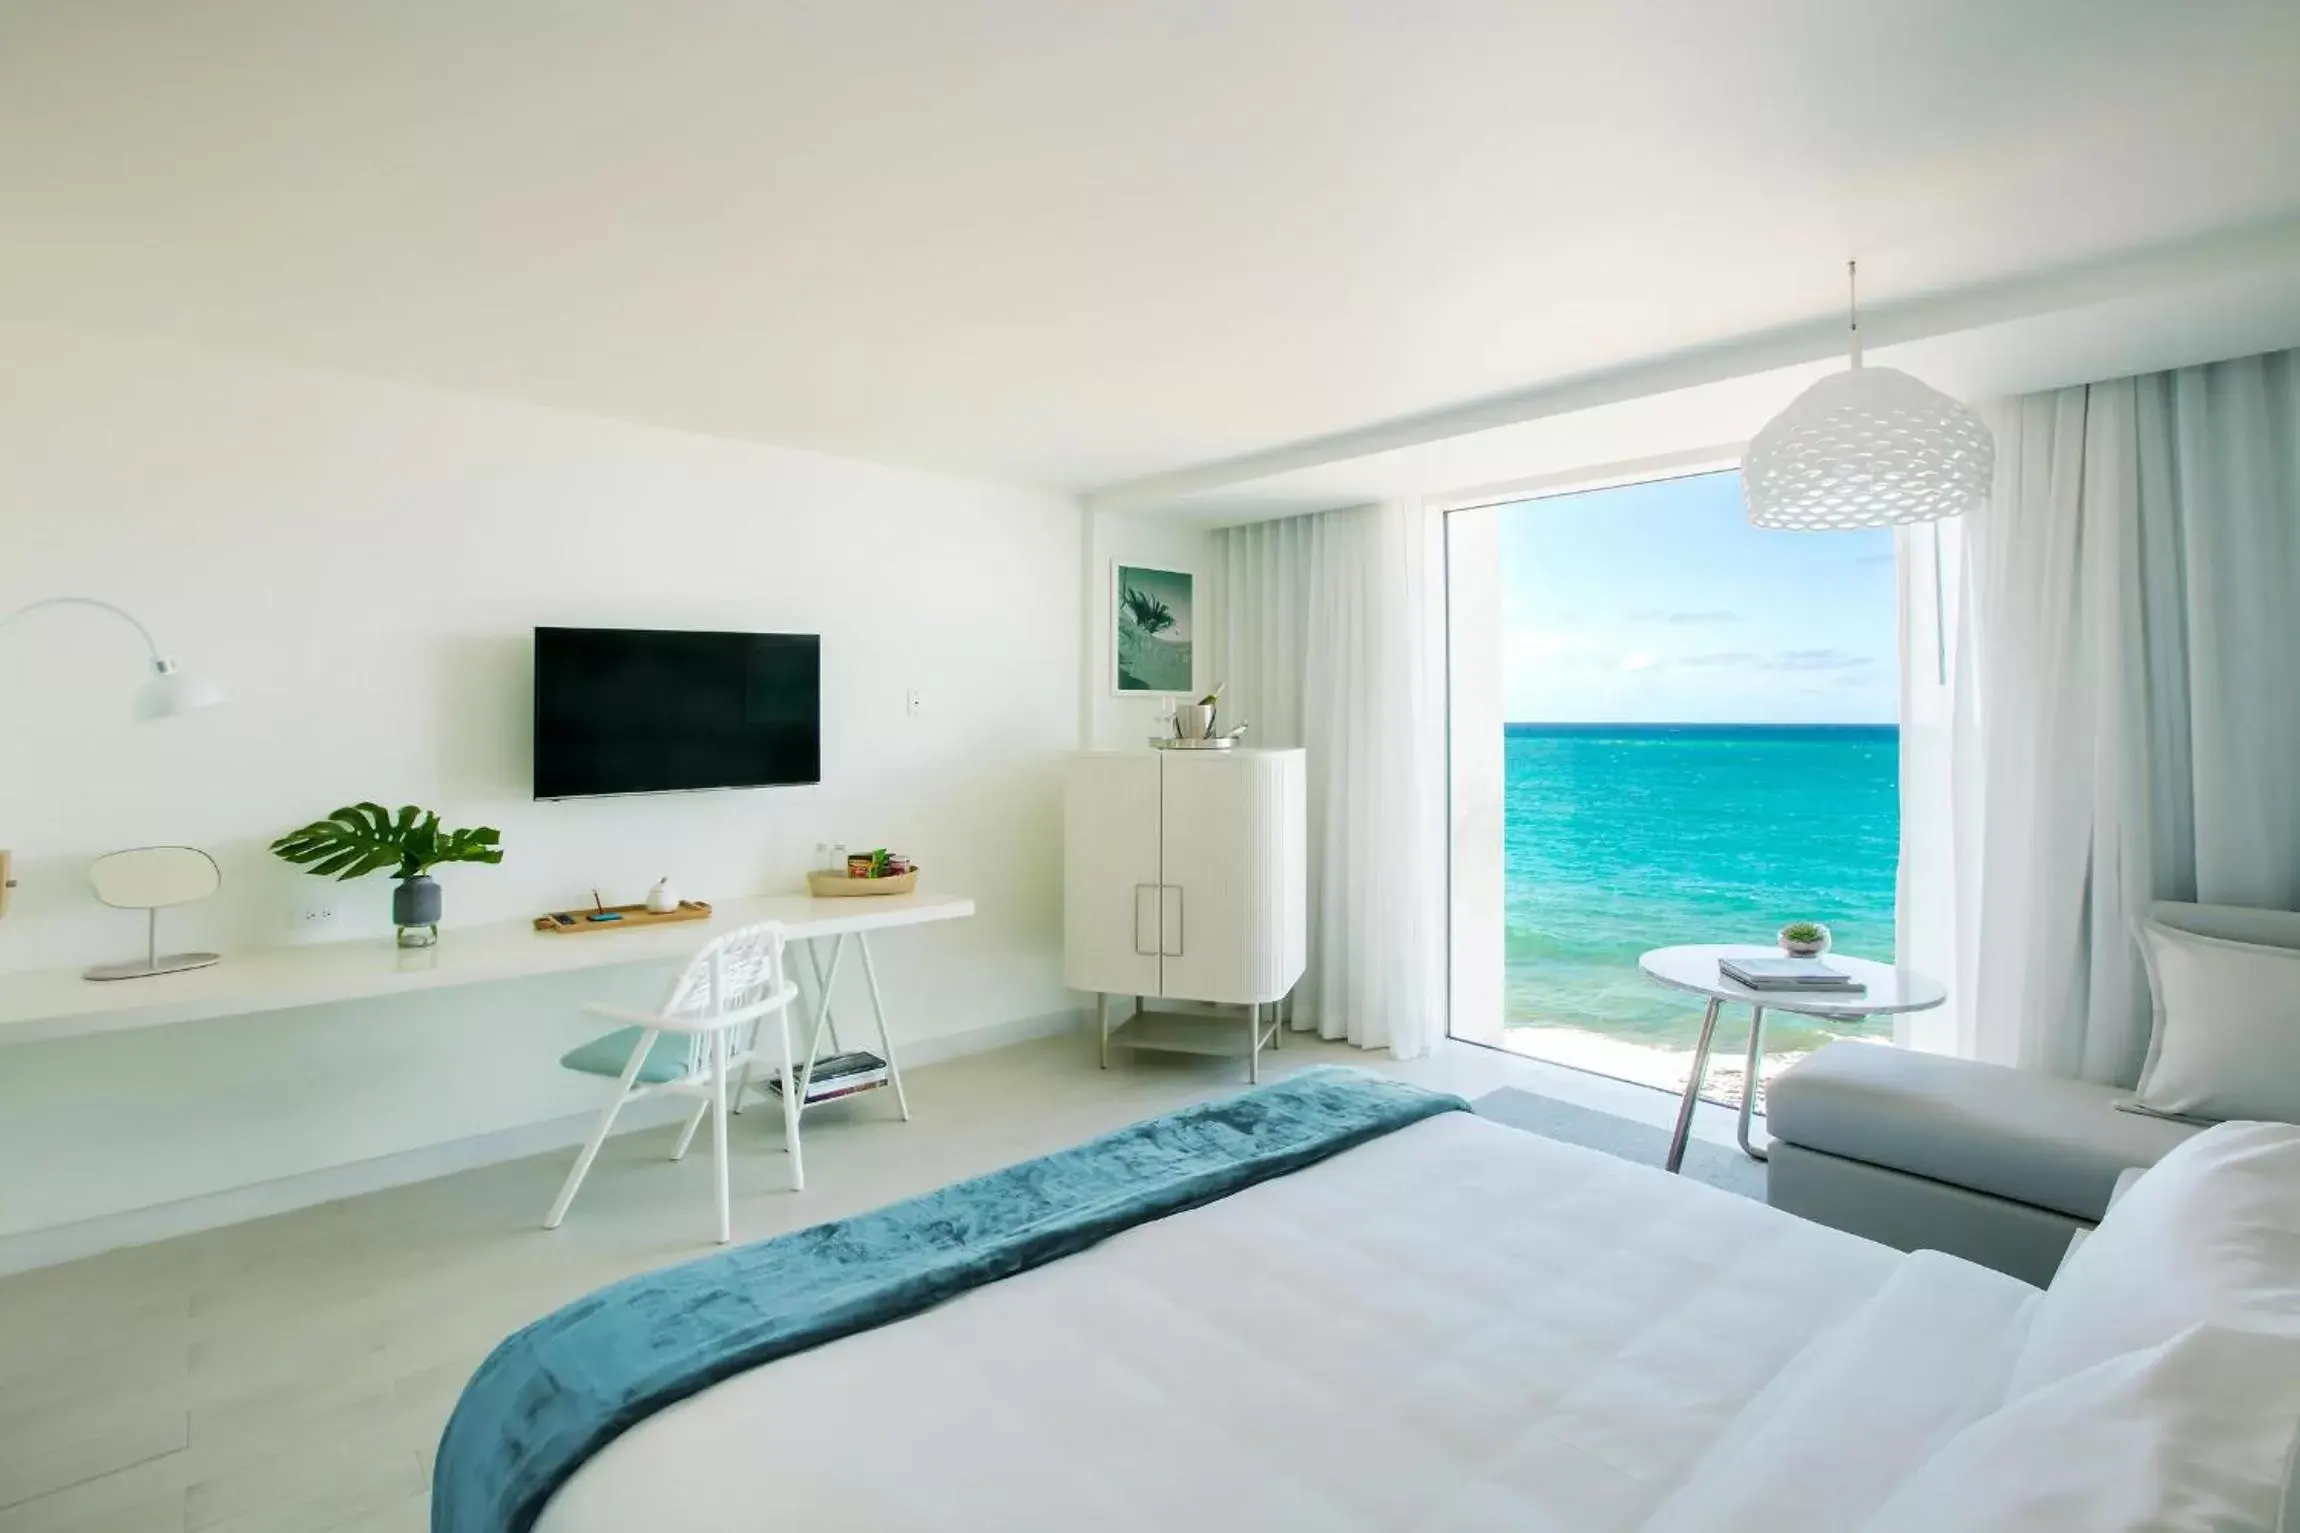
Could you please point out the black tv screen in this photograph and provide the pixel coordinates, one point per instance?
(637, 710)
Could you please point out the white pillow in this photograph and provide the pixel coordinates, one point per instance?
(2226, 1042)
(2196, 1432)
(2209, 1233)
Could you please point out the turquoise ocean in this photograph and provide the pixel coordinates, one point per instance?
(1623, 837)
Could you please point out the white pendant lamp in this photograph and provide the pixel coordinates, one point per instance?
(1867, 447)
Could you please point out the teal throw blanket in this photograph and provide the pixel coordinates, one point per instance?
(560, 1390)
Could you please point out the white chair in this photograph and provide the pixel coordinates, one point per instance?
(729, 989)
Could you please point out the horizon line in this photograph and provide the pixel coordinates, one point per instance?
(1705, 723)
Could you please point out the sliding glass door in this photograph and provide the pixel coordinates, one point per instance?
(1666, 727)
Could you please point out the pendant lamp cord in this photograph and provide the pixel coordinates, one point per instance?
(1940, 609)
(1853, 307)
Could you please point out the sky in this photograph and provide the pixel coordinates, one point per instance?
(1659, 603)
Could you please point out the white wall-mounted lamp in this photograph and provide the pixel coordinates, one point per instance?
(169, 692)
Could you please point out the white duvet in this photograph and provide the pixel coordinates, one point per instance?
(1456, 1326)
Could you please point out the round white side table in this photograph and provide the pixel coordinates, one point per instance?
(1694, 968)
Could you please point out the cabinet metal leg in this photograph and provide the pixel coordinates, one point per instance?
(1254, 1044)
(1102, 1023)
(1693, 1086)
(1749, 1082)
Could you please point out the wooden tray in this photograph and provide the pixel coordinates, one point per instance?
(826, 885)
(633, 915)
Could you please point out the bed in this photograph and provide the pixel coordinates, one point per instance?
(1449, 1325)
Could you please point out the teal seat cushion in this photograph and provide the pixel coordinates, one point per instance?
(666, 1061)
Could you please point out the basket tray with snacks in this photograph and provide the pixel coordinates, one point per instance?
(865, 873)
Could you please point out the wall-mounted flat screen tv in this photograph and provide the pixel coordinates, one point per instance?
(639, 710)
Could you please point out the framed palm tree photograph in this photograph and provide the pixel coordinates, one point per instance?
(1151, 650)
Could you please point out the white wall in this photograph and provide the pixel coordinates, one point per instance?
(1109, 721)
(359, 565)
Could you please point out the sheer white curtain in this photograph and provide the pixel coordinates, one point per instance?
(2121, 720)
(1938, 898)
(1333, 640)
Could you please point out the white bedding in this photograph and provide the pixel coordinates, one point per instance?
(1456, 1326)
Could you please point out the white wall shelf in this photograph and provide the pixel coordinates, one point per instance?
(44, 1004)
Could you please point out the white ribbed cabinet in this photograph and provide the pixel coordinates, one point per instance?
(1185, 879)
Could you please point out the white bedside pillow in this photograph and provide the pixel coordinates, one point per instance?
(2197, 1432)
(2209, 1234)
(2226, 1040)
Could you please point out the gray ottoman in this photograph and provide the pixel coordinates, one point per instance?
(1921, 1151)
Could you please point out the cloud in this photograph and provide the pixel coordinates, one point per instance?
(1551, 646)
(1639, 661)
(1556, 652)
(1874, 559)
(1715, 615)
(1781, 660)
(1817, 660)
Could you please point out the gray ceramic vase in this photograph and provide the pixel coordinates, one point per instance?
(415, 910)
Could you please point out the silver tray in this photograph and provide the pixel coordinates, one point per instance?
(1169, 743)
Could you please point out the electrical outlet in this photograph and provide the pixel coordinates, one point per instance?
(912, 703)
(315, 917)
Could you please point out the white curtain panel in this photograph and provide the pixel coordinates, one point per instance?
(2121, 721)
(1937, 908)
(1333, 634)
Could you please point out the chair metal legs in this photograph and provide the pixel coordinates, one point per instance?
(582, 1167)
(714, 1105)
(730, 1069)
(687, 1134)
(792, 1086)
(719, 1133)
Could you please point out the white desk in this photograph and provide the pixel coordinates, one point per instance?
(43, 1004)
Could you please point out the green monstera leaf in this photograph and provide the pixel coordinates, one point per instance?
(362, 838)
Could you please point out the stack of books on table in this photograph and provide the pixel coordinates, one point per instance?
(1802, 976)
(839, 1075)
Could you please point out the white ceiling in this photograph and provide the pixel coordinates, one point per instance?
(2199, 302)
(1082, 244)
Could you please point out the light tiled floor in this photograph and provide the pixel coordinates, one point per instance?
(292, 1375)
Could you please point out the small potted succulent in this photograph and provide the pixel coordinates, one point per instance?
(362, 838)
(1804, 939)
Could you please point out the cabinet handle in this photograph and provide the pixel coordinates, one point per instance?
(1155, 945)
(1176, 928)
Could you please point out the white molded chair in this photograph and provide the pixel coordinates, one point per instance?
(728, 990)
